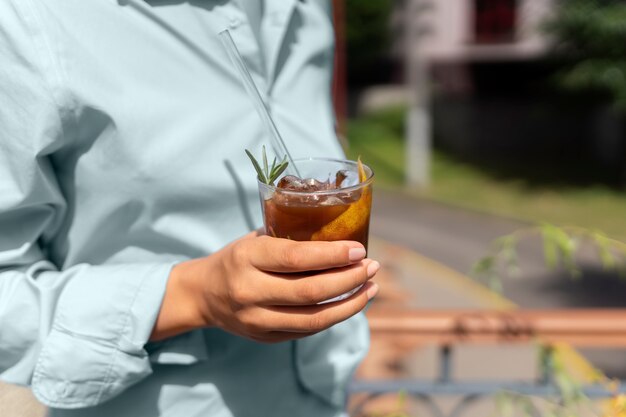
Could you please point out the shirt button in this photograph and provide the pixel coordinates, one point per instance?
(234, 22)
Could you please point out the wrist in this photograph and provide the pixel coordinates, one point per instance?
(180, 309)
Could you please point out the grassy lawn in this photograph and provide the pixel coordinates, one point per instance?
(379, 140)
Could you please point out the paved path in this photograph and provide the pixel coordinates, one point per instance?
(457, 238)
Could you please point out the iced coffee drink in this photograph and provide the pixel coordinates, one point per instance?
(331, 200)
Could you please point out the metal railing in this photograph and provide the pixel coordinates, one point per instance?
(448, 328)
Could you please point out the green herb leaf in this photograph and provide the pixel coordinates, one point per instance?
(279, 169)
(265, 161)
(257, 167)
(266, 174)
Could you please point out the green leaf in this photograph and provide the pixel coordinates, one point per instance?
(559, 246)
(279, 170)
(257, 167)
(550, 250)
(568, 388)
(266, 169)
(604, 249)
(509, 254)
(483, 265)
(267, 175)
(495, 283)
(504, 404)
(567, 248)
(527, 406)
(566, 245)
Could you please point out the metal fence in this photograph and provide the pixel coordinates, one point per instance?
(447, 329)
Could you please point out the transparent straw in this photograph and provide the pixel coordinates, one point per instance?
(259, 104)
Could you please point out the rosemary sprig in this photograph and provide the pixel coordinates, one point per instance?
(267, 175)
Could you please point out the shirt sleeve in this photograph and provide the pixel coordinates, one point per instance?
(76, 335)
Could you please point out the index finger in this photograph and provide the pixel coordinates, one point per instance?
(288, 256)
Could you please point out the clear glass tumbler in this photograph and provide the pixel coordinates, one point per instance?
(303, 213)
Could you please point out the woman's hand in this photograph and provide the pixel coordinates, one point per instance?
(267, 289)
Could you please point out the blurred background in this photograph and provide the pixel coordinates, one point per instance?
(527, 97)
(485, 117)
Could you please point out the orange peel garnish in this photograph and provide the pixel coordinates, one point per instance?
(362, 174)
(352, 220)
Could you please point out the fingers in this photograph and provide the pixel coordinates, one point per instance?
(288, 256)
(269, 289)
(313, 319)
(286, 290)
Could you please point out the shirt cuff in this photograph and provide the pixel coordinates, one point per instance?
(96, 346)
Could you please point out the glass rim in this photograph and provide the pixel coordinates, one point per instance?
(367, 182)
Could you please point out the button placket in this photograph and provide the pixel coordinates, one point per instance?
(248, 47)
(279, 14)
(278, 18)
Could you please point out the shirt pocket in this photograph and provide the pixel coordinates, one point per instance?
(326, 362)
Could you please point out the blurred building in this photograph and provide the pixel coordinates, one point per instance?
(478, 30)
(457, 33)
(482, 69)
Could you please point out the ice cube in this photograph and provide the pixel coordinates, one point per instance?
(351, 179)
(349, 197)
(331, 200)
(292, 183)
(306, 185)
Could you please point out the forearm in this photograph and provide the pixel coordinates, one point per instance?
(180, 311)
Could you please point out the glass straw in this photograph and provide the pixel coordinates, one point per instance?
(259, 104)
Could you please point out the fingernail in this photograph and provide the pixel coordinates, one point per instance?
(372, 268)
(356, 254)
(372, 291)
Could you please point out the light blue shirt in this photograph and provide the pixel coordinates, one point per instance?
(122, 130)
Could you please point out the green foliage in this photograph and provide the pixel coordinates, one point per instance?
(393, 119)
(559, 248)
(567, 401)
(591, 34)
(379, 139)
(267, 174)
(570, 392)
(509, 404)
(367, 34)
(400, 407)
